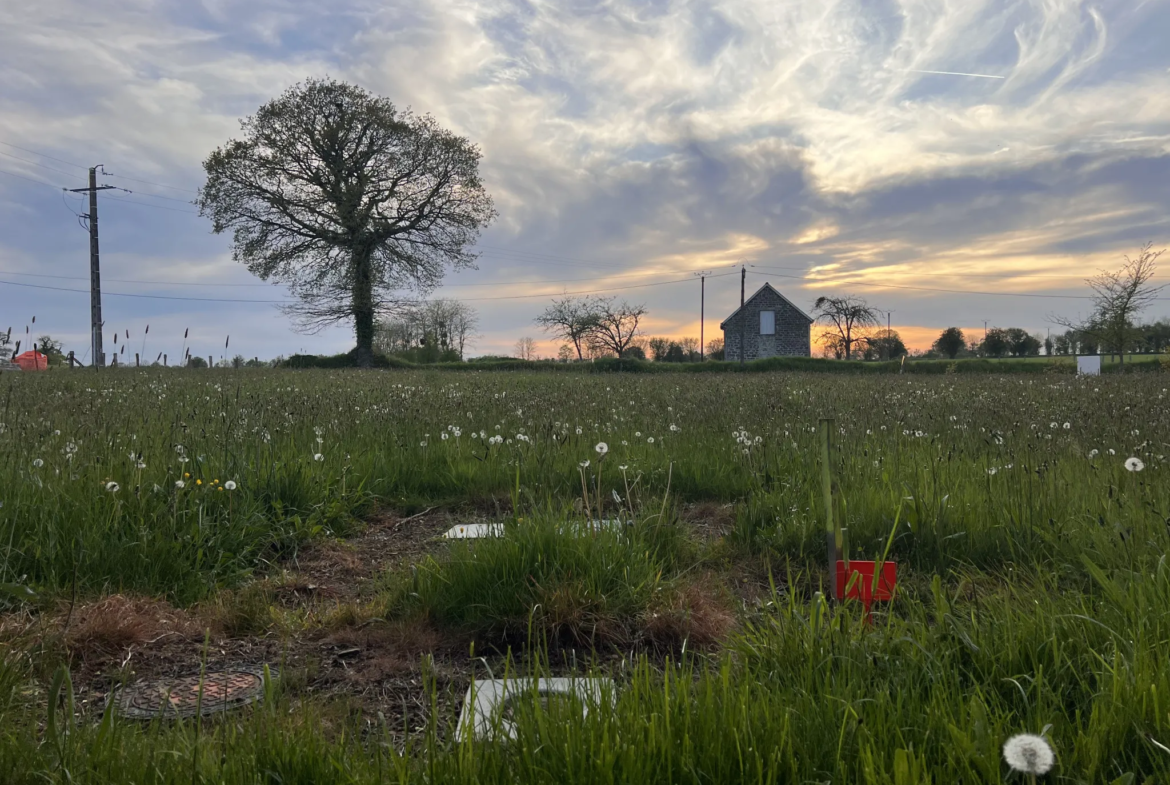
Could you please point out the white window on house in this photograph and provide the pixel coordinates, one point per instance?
(767, 322)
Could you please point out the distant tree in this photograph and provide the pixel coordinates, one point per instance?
(572, 319)
(336, 193)
(996, 343)
(255, 362)
(659, 346)
(886, 345)
(51, 348)
(194, 361)
(634, 353)
(565, 353)
(238, 361)
(675, 354)
(848, 321)
(690, 347)
(950, 342)
(1118, 297)
(526, 348)
(715, 349)
(1155, 337)
(617, 325)
(1021, 344)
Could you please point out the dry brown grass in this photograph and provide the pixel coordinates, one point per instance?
(697, 614)
(114, 624)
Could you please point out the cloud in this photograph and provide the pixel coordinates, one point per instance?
(633, 138)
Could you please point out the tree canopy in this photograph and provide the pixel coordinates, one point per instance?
(347, 200)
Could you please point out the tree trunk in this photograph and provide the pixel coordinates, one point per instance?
(363, 309)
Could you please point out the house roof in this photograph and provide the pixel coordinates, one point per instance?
(747, 302)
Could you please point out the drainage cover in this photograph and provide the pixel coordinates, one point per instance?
(174, 698)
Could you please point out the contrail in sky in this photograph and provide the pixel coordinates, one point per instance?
(956, 73)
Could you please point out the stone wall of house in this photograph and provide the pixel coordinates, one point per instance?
(791, 339)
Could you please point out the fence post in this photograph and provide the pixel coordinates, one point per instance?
(210, 361)
(71, 361)
(832, 529)
(137, 363)
(164, 361)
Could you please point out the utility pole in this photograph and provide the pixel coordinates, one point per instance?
(888, 334)
(702, 310)
(95, 280)
(742, 315)
(984, 328)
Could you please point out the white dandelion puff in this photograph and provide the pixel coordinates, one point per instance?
(230, 485)
(318, 457)
(112, 487)
(1134, 464)
(180, 484)
(38, 463)
(584, 464)
(1028, 754)
(602, 448)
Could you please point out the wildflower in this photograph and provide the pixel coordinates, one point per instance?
(1092, 453)
(638, 434)
(616, 498)
(623, 468)
(112, 487)
(318, 457)
(141, 465)
(1134, 464)
(584, 464)
(650, 440)
(1028, 754)
(578, 430)
(187, 475)
(38, 463)
(602, 448)
(1067, 426)
(444, 436)
(1112, 451)
(230, 485)
(199, 482)
(180, 484)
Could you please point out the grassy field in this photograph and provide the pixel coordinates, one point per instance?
(156, 522)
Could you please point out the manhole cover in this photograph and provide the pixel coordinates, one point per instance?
(173, 698)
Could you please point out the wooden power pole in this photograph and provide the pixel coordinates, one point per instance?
(95, 279)
(742, 315)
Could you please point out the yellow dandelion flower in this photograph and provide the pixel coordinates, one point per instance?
(199, 482)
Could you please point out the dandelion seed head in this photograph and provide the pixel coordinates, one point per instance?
(230, 485)
(318, 457)
(1028, 754)
(1134, 464)
(602, 448)
(112, 487)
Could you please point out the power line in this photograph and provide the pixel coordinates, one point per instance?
(947, 291)
(148, 204)
(593, 291)
(158, 185)
(290, 302)
(42, 155)
(22, 177)
(34, 163)
(127, 280)
(145, 296)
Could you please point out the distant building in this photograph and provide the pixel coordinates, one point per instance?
(771, 327)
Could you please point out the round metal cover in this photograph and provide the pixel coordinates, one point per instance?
(175, 698)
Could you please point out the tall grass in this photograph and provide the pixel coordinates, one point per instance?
(985, 466)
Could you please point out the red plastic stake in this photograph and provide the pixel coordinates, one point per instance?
(855, 581)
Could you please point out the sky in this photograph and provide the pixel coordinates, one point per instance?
(954, 162)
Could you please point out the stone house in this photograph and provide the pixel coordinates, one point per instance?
(771, 327)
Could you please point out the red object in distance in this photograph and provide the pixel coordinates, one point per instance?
(862, 586)
(32, 361)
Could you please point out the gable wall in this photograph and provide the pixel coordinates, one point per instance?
(793, 331)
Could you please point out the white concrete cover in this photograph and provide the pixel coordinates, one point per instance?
(470, 531)
(485, 700)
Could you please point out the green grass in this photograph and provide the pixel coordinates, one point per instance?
(1032, 564)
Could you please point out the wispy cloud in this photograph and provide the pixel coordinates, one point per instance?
(885, 142)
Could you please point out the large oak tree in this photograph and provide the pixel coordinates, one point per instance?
(348, 201)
